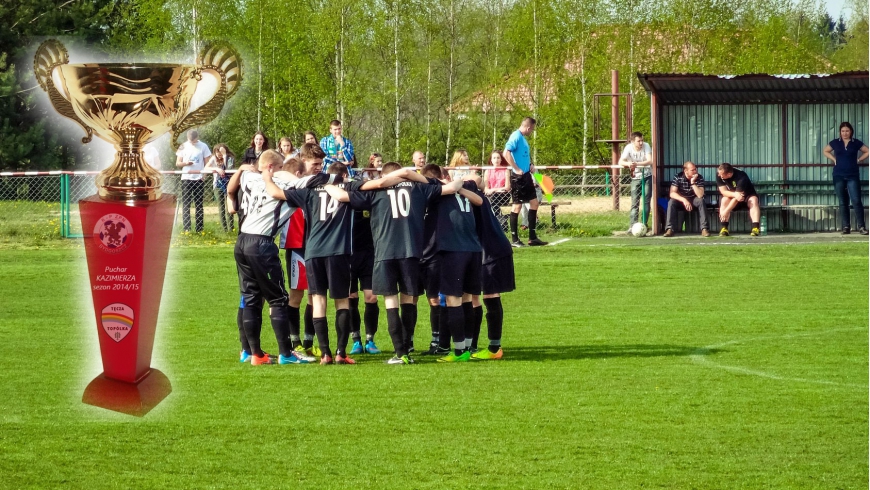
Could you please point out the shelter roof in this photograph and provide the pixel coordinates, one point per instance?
(693, 88)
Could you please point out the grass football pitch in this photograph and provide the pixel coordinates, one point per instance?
(628, 363)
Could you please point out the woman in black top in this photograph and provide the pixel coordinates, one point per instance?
(259, 144)
(846, 152)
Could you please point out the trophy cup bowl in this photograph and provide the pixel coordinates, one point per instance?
(131, 104)
(127, 225)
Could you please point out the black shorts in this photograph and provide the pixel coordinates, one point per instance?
(430, 277)
(261, 275)
(498, 276)
(741, 205)
(393, 276)
(522, 188)
(329, 274)
(460, 274)
(361, 266)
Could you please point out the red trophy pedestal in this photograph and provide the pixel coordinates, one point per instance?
(127, 246)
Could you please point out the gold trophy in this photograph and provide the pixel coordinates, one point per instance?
(131, 104)
(128, 225)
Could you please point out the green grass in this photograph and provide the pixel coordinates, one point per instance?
(629, 363)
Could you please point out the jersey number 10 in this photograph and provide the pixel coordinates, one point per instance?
(401, 203)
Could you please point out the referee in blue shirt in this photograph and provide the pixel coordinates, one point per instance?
(516, 152)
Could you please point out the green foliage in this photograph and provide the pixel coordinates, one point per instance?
(307, 62)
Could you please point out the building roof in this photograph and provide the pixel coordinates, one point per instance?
(692, 88)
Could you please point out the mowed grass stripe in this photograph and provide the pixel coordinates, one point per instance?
(598, 388)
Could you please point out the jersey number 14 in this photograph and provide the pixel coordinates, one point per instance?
(328, 205)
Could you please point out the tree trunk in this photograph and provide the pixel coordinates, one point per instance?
(260, 70)
(450, 80)
(536, 87)
(396, 56)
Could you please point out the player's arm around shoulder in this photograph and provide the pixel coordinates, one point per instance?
(451, 188)
(271, 188)
(389, 180)
(472, 197)
(234, 183)
(337, 193)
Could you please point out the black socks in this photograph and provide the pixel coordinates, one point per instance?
(456, 323)
(514, 218)
(252, 321)
(355, 320)
(396, 330)
(243, 339)
(281, 326)
(434, 316)
(372, 312)
(533, 221)
(409, 322)
(494, 321)
(342, 329)
(321, 328)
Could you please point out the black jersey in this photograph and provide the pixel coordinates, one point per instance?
(450, 226)
(493, 241)
(362, 227)
(397, 217)
(362, 231)
(737, 182)
(328, 222)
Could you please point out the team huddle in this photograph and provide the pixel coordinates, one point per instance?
(399, 236)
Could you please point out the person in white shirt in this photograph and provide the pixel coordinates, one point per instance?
(151, 156)
(191, 160)
(637, 157)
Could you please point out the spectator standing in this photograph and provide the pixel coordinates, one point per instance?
(460, 159)
(419, 160)
(846, 152)
(497, 186)
(222, 160)
(259, 144)
(337, 147)
(287, 149)
(687, 192)
(637, 157)
(151, 156)
(309, 137)
(190, 159)
(376, 160)
(517, 155)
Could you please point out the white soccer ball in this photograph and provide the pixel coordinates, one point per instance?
(638, 229)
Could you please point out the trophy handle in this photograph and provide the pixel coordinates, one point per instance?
(49, 56)
(225, 61)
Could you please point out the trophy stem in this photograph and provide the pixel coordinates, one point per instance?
(129, 178)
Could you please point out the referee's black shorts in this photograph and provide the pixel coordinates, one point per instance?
(393, 276)
(261, 275)
(361, 266)
(522, 188)
(498, 276)
(460, 274)
(329, 274)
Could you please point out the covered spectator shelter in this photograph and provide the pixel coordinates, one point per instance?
(773, 127)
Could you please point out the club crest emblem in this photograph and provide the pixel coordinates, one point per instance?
(113, 233)
(117, 321)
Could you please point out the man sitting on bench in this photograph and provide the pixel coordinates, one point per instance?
(737, 193)
(687, 192)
